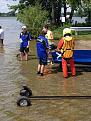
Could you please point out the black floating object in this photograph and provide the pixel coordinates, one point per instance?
(25, 91)
(23, 101)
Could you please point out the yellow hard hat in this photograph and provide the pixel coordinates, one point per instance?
(67, 31)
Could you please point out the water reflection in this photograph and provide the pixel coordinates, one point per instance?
(2, 50)
(69, 86)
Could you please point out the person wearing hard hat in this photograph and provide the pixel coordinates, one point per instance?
(66, 46)
(25, 37)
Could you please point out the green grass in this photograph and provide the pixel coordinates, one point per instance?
(86, 35)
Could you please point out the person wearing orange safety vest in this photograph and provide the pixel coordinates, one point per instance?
(66, 46)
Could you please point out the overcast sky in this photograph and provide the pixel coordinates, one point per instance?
(4, 7)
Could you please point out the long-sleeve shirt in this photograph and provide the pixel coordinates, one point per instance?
(60, 44)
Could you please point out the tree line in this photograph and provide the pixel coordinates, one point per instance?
(35, 13)
(57, 8)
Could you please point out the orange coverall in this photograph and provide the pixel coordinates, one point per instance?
(66, 61)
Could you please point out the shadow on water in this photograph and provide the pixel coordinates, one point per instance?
(79, 69)
(30, 57)
(2, 50)
(83, 68)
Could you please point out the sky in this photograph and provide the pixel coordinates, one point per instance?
(3, 5)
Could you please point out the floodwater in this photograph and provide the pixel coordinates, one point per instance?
(14, 74)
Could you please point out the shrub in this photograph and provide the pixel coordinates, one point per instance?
(34, 18)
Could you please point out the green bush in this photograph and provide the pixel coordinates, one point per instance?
(34, 18)
(58, 33)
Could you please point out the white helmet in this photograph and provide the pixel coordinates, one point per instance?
(24, 27)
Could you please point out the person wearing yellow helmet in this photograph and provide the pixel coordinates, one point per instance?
(66, 46)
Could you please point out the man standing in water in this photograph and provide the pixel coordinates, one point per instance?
(66, 46)
(1, 36)
(50, 37)
(24, 43)
(42, 47)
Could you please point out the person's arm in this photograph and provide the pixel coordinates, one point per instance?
(47, 45)
(51, 36)
(74, 42)
(30, 37)
(28, 45)
(20, 38)
(60, 44)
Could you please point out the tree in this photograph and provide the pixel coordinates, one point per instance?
(87, 9)
(54, 8)
(74, 6)
(34, 18)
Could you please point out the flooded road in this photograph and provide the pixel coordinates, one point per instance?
(14, 74)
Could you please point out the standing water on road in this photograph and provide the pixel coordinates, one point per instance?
(15, 73)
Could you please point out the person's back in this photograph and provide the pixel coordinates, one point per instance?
(42, 45)
(50, 37)
(66, 46)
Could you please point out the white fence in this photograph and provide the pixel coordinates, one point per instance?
(81, 28)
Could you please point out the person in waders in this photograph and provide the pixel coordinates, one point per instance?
(66, 46)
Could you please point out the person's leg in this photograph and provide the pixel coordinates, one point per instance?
(50, 56)
(1, 42)
(64, 68)
(42, 69)
(26, 56)
(72, 66)
(26, 50)
(39, 68)
(21, 55)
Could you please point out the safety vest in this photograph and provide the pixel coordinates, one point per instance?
(68, 47)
